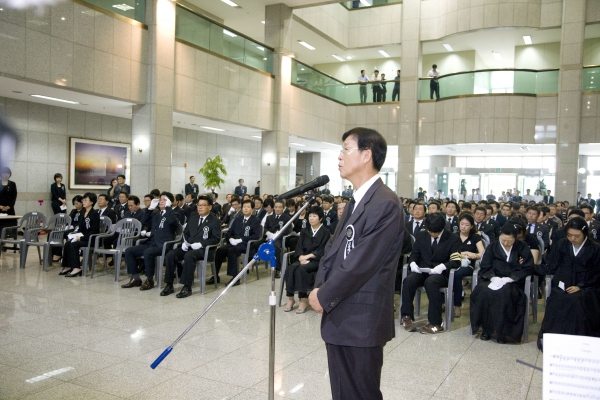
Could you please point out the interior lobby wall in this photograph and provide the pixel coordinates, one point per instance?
(448, 63)
(538, 56)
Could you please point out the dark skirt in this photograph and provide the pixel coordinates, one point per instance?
(500, 313)
(572, 314)
(300, 278)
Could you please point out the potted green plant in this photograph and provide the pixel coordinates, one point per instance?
(212, 171)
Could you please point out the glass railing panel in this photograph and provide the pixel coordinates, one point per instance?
(547, 82)
(353, 93)
(351, 5)
(591, 79)
(134, 9)
(211, 36)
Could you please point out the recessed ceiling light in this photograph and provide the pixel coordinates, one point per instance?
(298, 144)
(338, 57)
(213, 129)
(527, 39)
(383, 53)
(225, 31)
(54, 99)
(448, 47)
(262, 22)
(308, 46)
(301, 69)
(301, 151)
(497, 56)
(348, 57)
(62, 18)
(123, 7)
(230, 3)
(525, 148)
(258, 137)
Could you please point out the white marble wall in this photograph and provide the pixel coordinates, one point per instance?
(43, 146)
(440, 18)
(590, 118)
(315, 117)
(241, 157)
(331, 19)
(210, 86)
(592, 11)
(383, 118)
(375, 26)
(74, 46)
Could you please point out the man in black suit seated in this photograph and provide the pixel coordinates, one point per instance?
(192, 187)
(258, 206)
(452, 216)
(417, 224)
(329, 215)
(340, 211)
(273, 224)
(202, 230)
(121, 207)
(241, 190)
(542, 231)
(216, 207)
(437, 249)
(233, 212)
(489, 210)
(133, 205)
(482, 226)
(163, 223)
(104, 210)
(243, 229)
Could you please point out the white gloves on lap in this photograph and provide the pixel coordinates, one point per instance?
(269, 235)
(185, 246)
(235, 242)
(414, 267)
(144, 233)
(196, 246)
(438, 269)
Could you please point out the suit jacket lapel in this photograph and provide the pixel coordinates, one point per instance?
(358, 211)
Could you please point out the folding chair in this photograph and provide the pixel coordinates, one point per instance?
(30, 220)
(128, 229)
(201, 266)
(57, 227)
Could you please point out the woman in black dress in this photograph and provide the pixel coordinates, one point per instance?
(573, 307)
(498, 302)
(528, 238)
(300, 276)
(471, 250)
(59, 194)
(88, 224)
(8, 192)
(78, 206)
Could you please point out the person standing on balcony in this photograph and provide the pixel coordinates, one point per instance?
(376, 85)
(383, 88)
(363, 79)
(396, 91)
(434, 86)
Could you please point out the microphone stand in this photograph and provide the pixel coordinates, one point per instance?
(266, 252)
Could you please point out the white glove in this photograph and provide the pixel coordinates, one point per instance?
(153, 204)
(231, 211)
(438, 269)
(185, 246)
(70, 236)
(235, 242)
(148, 234)
(168, 203)
(465, 262)
(269, 235)
(143, 233)
(414, 267)
(507, 280)
(196, 246)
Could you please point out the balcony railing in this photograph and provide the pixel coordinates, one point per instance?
(327, 86)
(591, 79)
(221, 40)
(495, 81)
(133, 9)
(356, 4)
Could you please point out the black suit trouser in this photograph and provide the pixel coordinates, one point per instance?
(189, 258)
(355, 372)
(231, 253)
(149, 252)
(433, 284)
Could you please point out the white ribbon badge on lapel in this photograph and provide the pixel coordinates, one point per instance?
(350, 240)
(205, 236)
(87, 223)
(162, 223)
(247, 232)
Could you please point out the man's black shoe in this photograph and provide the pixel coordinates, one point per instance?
(167, 290)
(277, 274)
(485, 336)
(185, 292)
(211, 280)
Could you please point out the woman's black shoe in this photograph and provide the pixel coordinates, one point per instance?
(501, 341)
(74, 275)
(66, 271)
(485, 336)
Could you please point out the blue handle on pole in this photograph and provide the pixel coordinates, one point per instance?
(161, 357)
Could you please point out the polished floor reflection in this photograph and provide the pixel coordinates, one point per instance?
(73, 338)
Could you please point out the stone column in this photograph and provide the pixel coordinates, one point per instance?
(569, 99)
(152, 124)
(409, 89)
(274, 171)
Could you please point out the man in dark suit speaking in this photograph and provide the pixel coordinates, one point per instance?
(354, 287)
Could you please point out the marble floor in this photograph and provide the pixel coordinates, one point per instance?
(74, 338)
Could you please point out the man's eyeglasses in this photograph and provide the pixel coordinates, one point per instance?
(346, 150)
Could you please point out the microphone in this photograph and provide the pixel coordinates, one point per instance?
(315, 183)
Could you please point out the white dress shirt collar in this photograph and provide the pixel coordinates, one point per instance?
(361, 191)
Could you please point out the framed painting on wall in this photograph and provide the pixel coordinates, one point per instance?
(93, 163)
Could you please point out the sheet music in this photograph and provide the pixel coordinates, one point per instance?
(571, 367)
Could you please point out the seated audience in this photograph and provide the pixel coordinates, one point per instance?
(134, 211)
(88, 224)
(234, 211)
(498, 302)
(243, 229)
(300, 275)
(163, 225)
(329, 215)
(202, 230)
(437, 249)
(482, 225)
(340, 211)
(573, 307)
(471, 249)
(121, 206)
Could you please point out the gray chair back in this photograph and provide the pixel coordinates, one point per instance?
(32, 220)
(58, 223)
(127, 228)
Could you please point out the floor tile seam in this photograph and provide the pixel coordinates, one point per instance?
(453, 367)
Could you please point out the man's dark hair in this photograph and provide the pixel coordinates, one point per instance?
(192, 176)
(235, 197)
(370, 139)
(576, 211)
(516, 206)
(148, 196)
(588, 207)
(280, 202)
(125, 193)
(437, 203)
(169, 196)
(376, 70)
(328, 199)
(135, 199)
(207, 198)
(178, 197)
(435, 222)
(533, 208)
(105, 196)
(155, 193)
(362, 70)
(247, 201)
(434, 66)
(545, 210)
(121, 176)
(452, 202)
(258, 199)
(482, 209)
(422, 205)
(268, 202)
(290, 203)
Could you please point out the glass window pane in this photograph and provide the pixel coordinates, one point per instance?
(532, 162)
(134, 9)
(550, 162)
(461, 162)
(476, 162)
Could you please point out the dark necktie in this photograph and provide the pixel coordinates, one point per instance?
(201, 221)
(277, 217)
(434, 245)
(416, 229)
(529, 228)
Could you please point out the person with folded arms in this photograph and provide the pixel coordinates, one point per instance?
(438, 250)
(163, 227)
(498, 302)
(202, 230)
